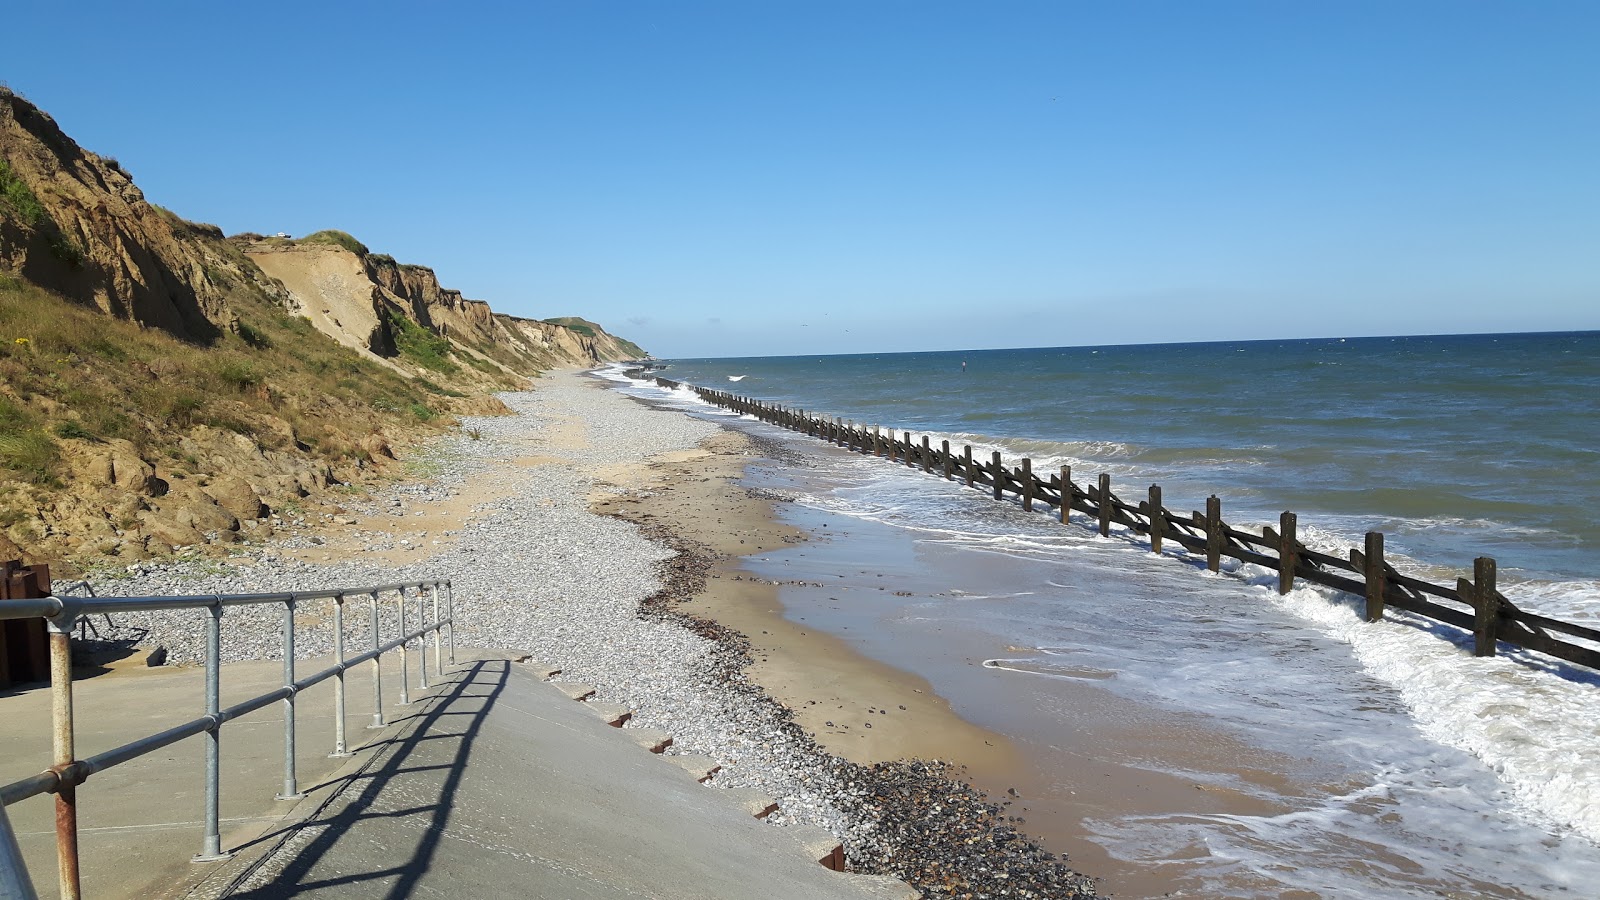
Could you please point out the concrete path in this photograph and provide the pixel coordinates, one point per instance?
(497, 785)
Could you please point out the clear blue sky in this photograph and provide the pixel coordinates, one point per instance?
(761, 177)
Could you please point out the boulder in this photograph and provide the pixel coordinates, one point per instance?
(235, 495)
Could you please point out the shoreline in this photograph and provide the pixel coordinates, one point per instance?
(535, 567)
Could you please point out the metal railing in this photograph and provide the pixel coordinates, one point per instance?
(63, 777)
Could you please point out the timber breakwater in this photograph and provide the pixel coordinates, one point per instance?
(1473, 604)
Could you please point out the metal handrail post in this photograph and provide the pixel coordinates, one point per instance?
(450, 610)
(405, 665)
(211, 844)
(14, 881)
(422, 649)
(377, 667)
(63, 741)
(291, 786)
(339, 747)
(438, 633)
(338, 679)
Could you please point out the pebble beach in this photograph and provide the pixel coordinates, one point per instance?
(534, 568)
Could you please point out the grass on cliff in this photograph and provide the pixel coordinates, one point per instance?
(421, 346)
(70, 372)
(16, 199)
(332, 236)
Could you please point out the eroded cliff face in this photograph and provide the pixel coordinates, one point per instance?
(357, 297)
(76, 224)
(164, 387)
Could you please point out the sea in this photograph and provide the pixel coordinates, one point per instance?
(1335, 757)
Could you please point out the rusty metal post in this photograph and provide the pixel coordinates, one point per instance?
(377, 667)
(211, 843)
(405, 663)
(63, 743)
(291, 786)
(340, 748)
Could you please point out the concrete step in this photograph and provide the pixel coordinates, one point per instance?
(613, 713)
(575, 690)
(652, 739)
(752, 801)
(543, 671)
(701, 767)
(819, 844)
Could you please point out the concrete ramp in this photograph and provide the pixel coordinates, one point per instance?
(502, 786)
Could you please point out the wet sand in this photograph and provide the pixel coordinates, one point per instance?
(818, 615)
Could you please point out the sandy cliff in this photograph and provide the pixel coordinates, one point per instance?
(163, 386)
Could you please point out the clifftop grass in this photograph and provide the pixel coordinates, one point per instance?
(339, 238)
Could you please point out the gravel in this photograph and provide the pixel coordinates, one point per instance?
(538, 571)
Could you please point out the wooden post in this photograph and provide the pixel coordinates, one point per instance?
(877, 441)
(927, 455)
(911, 450)
(944, 457)
(1158, 519)
(1066, 494)
(999, 476)
(1213, 533)
(1288, 552)
(1373, 566)
(1105, 505)
(1027, 484)
(894, 447)
(1486, 604)
(966, 460)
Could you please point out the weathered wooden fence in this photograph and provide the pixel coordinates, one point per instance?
(1487, 613)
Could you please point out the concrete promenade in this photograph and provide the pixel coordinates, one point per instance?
(495, 784)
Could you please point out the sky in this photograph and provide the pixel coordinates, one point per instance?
(767, 178)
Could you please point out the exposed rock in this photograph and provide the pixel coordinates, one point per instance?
(236, 496)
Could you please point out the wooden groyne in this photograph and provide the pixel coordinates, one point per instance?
(1473, 604)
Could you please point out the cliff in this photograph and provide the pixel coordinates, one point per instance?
(163, 386)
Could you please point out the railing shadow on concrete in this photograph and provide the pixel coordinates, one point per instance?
(434, 605)
(288, 870)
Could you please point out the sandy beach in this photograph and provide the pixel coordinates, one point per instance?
(585, 528)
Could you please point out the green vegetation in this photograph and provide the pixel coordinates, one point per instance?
(15, 198)
(380, 259)
(30, 456)
(573, 323)
(342, 239)
(70, 372)
(420, 345)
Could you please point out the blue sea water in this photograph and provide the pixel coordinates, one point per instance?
(1421, 770)
(1454, 446)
